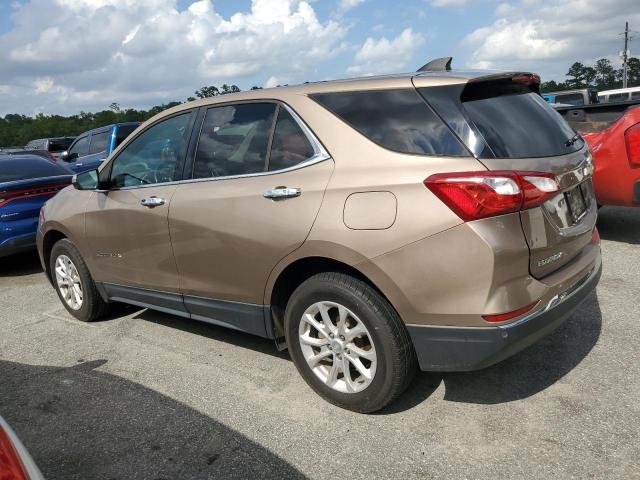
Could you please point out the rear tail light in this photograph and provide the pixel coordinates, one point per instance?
(10, 196)
(503, 317)
(476, 195)
(11, 467)
(632, 139)
(53, 157)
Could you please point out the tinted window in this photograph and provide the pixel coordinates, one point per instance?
(519, 126)
(290, 145)
(234, 140)
(635, 95)
(99, 142)
(618, 97)
(81, 146)
(571, 99)
(153, 156)
(122, 132)
(59, 144)
(396, 119)
(21, 168)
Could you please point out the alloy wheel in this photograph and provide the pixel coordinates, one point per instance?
(68, 280)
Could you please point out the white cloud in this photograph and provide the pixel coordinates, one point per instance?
(345, 5)
(144, 52)
(384, 55)
(549, 36)
(448, 3)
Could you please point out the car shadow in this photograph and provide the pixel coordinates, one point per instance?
(79, 422)
(20, 264)
(620, 224)
(523, 375)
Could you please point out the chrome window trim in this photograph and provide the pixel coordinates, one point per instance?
(320, 153)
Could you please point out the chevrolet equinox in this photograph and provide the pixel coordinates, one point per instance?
(440, 220)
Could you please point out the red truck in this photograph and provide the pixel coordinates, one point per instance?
(612, 131)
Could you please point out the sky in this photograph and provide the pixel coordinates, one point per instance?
(67, 56)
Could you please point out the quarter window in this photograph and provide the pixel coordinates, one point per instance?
(399, 120)
(81, 147)
(99, 142)
(234, 140)
(154, 156)
(290, 145)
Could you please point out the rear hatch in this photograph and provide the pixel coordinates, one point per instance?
(507, 125)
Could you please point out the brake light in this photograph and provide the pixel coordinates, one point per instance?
(632, 139)
(10, 196)
(526, 78)
(53, 157)
(11, 467)
(476, 195)
(502, 317)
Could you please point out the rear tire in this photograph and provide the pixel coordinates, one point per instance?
(373, 346)
(73, 283)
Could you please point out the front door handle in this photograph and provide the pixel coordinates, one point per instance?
(280, 193)
(152, 202)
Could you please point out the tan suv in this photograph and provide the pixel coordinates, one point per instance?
(440, 219)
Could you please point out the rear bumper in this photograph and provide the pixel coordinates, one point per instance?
(458, 349)
(19, 244)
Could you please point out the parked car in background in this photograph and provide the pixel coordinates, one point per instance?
(90, 148)
(26, 182)
(21, 151)
(619, 95)
(15, 461)
(440, 219)
(55, 146)
(612, 131)
(582, 96)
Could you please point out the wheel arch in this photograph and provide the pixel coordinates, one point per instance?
(49, 239)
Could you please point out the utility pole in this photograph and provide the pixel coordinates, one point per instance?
(624, 55)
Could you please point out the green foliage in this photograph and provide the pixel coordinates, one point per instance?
(602, 76)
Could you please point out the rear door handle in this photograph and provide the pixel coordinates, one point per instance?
(279, 193)
(152, 202)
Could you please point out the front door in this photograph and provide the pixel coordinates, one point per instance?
(257, 187)
(126, 225)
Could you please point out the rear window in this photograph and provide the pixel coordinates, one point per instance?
(123, 132)
(399, 120)
(21, 168)
(513, 121)
(60, 144)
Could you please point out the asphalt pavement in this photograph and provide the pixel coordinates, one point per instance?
(144, 395)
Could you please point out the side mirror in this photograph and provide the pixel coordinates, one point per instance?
(86, 180)
(68, 157)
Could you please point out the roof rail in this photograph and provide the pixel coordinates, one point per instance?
(438, 65)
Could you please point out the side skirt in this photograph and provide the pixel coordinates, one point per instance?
(245, 317)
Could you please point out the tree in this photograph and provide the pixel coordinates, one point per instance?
(633, 72)
(115, 107)
(229, 89)
(605, 74)
(576, 75)
(206, 92)
(552, 86)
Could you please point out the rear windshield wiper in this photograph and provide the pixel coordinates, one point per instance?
(572, 140)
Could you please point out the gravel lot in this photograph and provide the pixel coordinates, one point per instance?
(147, 395)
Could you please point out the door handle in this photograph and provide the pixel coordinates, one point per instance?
(280, 193)
(152, 202)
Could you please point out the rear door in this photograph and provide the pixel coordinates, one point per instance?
(258, 179)
(510, 127)
(98, 144)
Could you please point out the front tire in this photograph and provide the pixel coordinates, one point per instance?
(73, 283)
(348, 342)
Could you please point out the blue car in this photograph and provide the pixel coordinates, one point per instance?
(90, 148)
(26, 182)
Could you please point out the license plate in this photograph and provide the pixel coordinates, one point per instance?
(577, 204)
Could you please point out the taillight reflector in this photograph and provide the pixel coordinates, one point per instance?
(632, 139)
(476, 195)
(11, 467)
(12, 195)
(503, 317)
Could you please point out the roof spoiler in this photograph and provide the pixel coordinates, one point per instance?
(438, 65)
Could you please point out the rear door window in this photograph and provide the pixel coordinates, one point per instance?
(635, 95)
(99, 142)
(618, 97)
(234, 140)
(290, 146)
(398, 120)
